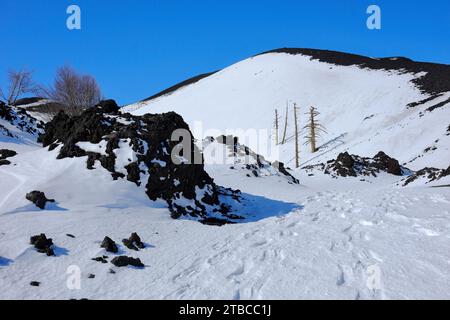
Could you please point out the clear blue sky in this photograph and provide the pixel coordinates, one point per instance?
(138, 47)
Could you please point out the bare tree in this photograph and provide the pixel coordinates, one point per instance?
(20, 83)
(297, 140)
(285, 124)
(276, 126)
(314, 128)
(76, 92)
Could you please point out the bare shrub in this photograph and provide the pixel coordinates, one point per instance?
(19, 83)
(75, 91)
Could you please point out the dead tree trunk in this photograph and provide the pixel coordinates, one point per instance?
(297, 151)
(314, 128)
(276, 126)
(312, 131)
(285, 124)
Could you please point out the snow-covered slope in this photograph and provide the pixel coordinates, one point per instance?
(226, 156)
(367, 105)
(323, 239)
(18, 130)
(41, 109)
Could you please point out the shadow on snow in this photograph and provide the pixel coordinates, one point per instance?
(255, 208)
(32, 208)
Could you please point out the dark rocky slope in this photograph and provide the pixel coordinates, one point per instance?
(426, 175)
(243, 158)
(20, 119)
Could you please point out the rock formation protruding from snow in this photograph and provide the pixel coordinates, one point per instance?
(228, 151)
(19, 119)
(428, 175)
(38, 198)
(346, 165)
(4, 154)
(139, 149)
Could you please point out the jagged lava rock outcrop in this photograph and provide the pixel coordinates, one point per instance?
(227, 150)
(20, 119)
(346, 165)
(139, 148)
(427, 175)
(38, 198)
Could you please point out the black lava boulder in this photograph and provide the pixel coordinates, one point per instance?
(5, 153)
(38, 198)
(42, 244)
(388, 164)
(109, 245)
(134, 242)
(124, 261)
(108, 106)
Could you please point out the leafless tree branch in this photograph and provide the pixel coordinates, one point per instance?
(76, 92)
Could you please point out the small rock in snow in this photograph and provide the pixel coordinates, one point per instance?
(109, 245)
(134, 242)
(124, 261)
(42, 244)
(38, 198)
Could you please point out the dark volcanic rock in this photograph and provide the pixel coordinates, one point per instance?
(149, 139)
(244, 157)
(5, 153)
(130, 245)
(427, 174)
(386, 163)
(134, 173)
(35, 283)
(345, 159)
(4, 163)
(20, 119)
(100, 259)
(280, 166)
(352, 165)
(42, 244)
(124, 261)
(344, 165)
(38, 198)
(134, 242)
(109, 245)
(211, 221)
(108, 106)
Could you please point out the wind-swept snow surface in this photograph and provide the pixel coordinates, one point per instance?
(324, 239)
